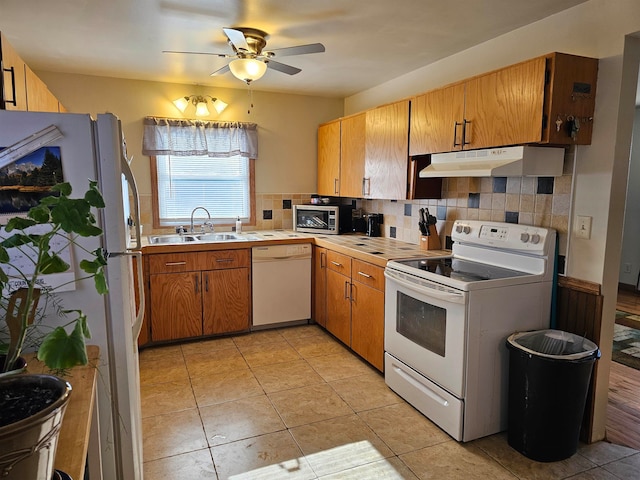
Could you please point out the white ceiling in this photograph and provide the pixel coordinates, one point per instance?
(367, 41)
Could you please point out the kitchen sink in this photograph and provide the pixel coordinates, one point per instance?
(158, 239)
(199, 238)
(220, 237)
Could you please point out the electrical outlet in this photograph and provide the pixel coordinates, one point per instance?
(583, 227)
(627, 268)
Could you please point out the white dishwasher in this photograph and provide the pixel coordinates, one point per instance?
(281, 284)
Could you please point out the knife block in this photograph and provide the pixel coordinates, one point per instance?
(431, 241)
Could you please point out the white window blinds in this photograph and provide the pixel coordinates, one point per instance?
(221, 185)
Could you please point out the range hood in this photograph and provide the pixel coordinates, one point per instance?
(497, 162)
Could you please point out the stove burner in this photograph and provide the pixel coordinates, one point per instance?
(461, 270)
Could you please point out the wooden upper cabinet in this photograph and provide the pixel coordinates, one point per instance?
(569, 92)
(387, 151)
(39, 98)
(353, 131)
(505, 107)
(19, 85)
(536, 101)
(12, 82)
(436, 121)
(329, 158)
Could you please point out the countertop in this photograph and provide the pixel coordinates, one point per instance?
(376, 250)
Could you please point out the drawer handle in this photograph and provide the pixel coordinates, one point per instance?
(336, 263)
(221, 260)
(173, 264)
(365, 275)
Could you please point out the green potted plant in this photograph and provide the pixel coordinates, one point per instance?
(28, 429)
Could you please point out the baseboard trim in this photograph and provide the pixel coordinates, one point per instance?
(627, 287)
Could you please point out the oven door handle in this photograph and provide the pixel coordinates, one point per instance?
(448, 295)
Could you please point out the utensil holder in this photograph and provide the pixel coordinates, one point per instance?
(431, 241)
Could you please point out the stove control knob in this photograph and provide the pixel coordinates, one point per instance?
(466, 229)
(535, 238)
(524, 237)
(459, 228)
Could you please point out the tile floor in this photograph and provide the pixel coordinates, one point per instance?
(295, 404)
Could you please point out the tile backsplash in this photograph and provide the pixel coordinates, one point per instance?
(273, 211)
(539, 201)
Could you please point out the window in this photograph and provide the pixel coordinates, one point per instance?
(201, 164)
(224, 186)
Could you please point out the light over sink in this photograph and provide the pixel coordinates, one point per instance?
(199, 238)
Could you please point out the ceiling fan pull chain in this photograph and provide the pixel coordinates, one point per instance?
(250, 95)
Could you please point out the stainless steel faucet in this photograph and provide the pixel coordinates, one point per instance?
(208, 215)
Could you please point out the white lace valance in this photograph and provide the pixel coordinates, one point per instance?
(165, 136)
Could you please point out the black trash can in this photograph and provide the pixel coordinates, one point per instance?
(549, 373)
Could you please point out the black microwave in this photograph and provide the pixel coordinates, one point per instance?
(329, 219)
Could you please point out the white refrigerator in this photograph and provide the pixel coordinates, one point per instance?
(95, 150)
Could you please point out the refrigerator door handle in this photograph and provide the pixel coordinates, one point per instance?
(137, 324)
(128, 174)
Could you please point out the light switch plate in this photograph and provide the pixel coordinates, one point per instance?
(583, 227)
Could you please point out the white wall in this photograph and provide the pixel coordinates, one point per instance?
(631, 234)
(597, 28)
(287, 124)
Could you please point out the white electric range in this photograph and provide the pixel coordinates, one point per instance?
(447, 319)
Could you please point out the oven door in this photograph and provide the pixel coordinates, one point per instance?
(425, 327)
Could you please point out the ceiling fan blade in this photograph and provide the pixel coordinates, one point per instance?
(281, 67)
(298, 50)
(236, 37)
(220, 71)
(221, 55)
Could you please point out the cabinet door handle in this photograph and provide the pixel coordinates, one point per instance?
(335, 186)
(346, 290)
(206, 282)
(223, 260)
(14, 102)
(352, 297)
(173, 264)
(366, 191)
(465, 122)
(197, 277)
(455, 134)
(365, 275)
(323, 263)
(336, 263)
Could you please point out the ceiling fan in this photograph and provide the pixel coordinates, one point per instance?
(250, 59)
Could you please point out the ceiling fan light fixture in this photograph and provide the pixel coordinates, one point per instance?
(248, 69)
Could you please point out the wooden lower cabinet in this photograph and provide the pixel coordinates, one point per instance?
(367, 312)
(319, 300)
(225, 306)
(176, 306)
(355, 306)
(198, 293)
(339, 306)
